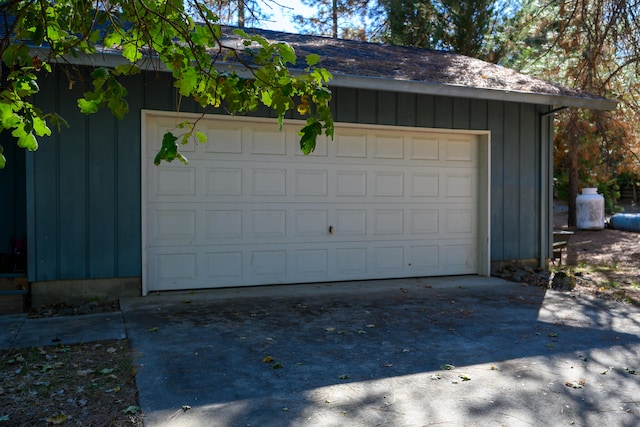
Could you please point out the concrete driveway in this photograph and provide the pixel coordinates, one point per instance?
(437, 351)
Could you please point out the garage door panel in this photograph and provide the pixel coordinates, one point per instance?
(223, 266)
(223, 181)
(249, 210)
(265, 139)
(351, 183)
(313, 183)
(388, 147)
(459, 149)
(224, 138)
(351, 144)
(423, 148)
(388, 184)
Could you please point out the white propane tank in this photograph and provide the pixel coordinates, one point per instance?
(590, 210)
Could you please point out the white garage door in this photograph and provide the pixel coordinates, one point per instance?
(250, 209)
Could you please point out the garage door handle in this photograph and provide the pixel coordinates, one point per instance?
(331, 229)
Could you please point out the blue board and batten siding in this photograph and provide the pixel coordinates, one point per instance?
(84, 184)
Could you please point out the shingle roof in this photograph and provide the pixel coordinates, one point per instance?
(408, 69)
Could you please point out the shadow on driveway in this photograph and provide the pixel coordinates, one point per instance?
(445, 351)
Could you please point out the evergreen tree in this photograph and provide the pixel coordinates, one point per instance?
(336, 18)
(591, 45)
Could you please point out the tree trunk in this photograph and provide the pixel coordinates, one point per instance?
(334, 12)
(241, 13)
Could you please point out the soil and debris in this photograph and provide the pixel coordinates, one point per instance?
(88, 307)
(91, 384)
(604, 263)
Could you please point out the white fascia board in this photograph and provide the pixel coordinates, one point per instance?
(111, 58)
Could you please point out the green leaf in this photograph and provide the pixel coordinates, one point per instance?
(131, 52)
(241, 33)
(88, 106)
(201, 137)
(113, 39)
(3, 161)
(169, 151)
(287, 52)
(308, 134)
(40, 127)
(312, 59)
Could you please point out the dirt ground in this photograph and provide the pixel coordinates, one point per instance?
(604, 262)
(90, 384)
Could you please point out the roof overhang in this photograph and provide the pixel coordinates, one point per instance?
(112, 58)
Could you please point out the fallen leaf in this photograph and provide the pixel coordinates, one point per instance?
(330, 329)
(57, 419)
(371, 325)
(436, 377)
(278, 365)
(343, 377)
(154, 329)
(106, 371)
(447, 367)
(185, 408)
(464, 377)
(268, 359)
(131, 410)
(553, 334)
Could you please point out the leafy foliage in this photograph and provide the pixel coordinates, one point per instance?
(184, 37)
(593, 45)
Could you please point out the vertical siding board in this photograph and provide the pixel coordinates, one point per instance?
(128, 157)
(406, 109)
(367, 106)
(461, 113)
(479, 114)
(529, 183)
(158, 91)
(102, 194)
(495, 119)
(73, 189)
(425, 111)
(444, 112)
(346, 105)
(43, 192)
(512, 181)
(387, 108)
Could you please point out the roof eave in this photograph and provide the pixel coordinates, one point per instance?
(109, 58)
(440, 89)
